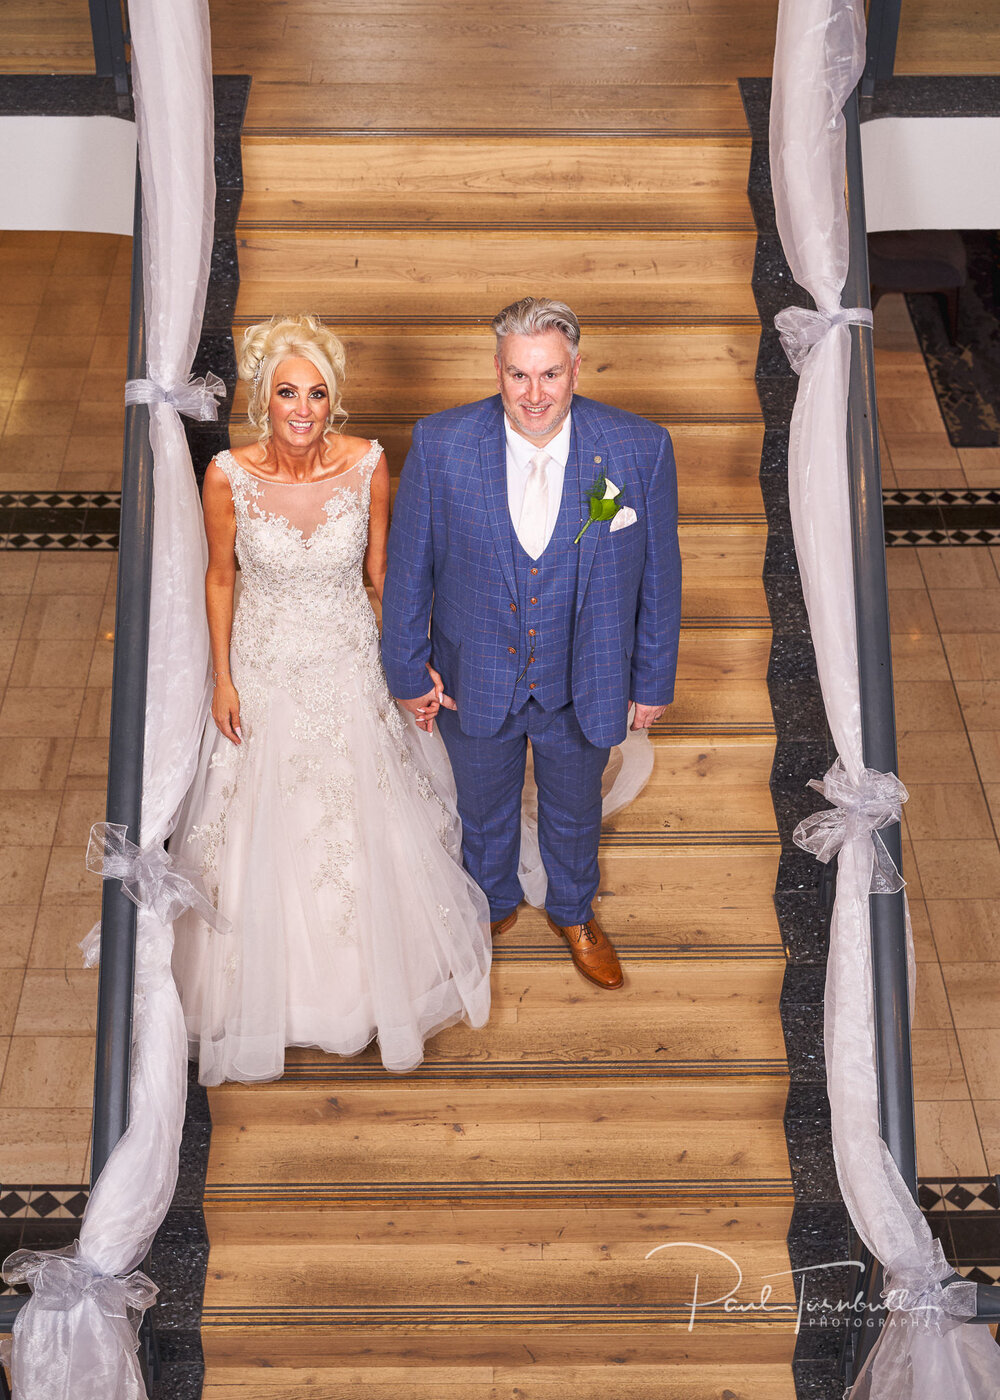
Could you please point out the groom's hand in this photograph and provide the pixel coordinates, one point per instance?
(425, 707)
(646, 715)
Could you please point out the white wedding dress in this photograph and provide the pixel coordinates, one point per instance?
(329, 839)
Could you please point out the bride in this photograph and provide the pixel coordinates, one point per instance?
(317, 820)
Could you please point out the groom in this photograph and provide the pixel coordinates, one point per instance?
(536, 532)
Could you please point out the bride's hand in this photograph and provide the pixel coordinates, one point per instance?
(226, 710)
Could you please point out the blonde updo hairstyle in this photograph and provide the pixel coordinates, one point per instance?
(269, 343)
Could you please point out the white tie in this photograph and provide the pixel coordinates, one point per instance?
(532, 528)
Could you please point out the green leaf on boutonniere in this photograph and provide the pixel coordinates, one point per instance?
(604, 503)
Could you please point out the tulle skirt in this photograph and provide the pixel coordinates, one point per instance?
(331, 845)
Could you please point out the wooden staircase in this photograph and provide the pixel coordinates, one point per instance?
(490, 1228)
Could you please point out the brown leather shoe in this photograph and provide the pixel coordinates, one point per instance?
(502, 925)
(592, 952)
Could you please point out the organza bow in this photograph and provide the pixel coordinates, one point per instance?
(48, 1342)
(859, 810)
(150, 876)
(800, 329)
(913, 1286)
(60, 1278)
(195, 398)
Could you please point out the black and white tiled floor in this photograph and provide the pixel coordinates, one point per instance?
(966, 516)
(32, 520)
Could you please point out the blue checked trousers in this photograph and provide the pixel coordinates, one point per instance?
(489, 776)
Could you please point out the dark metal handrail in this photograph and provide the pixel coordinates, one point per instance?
(128, 726)
(888, 919)
(880, 52)
(125, 759)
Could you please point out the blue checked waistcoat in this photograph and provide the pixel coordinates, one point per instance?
(609, 606)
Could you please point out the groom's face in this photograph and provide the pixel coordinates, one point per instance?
(537, 375)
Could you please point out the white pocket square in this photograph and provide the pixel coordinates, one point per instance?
(626, 516)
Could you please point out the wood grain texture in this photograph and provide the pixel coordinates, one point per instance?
(485, 182)
(461, 1137)
(443, 275)
(660, 373)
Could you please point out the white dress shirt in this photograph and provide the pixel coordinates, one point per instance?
(519, 454)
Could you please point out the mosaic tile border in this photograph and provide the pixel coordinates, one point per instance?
(942, 516)
(44, 540)
(49, 500)
(43, 1202)
(32, 520)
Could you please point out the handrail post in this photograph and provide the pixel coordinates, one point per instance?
(107, 26)
(880, 52)
(128, 724)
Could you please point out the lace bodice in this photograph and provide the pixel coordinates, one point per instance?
(301, 545)
(303, 621)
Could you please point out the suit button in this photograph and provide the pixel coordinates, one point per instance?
(531, 631)
(512, 650)
(534, 571)
(513, 607)
(534, 600)
(531, 685)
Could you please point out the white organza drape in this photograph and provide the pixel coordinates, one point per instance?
(924, 1352)
(75, 1338)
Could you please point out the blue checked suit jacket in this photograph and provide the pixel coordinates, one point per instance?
(451, 563)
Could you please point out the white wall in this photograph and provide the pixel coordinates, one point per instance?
(932, 172)
(71, 173)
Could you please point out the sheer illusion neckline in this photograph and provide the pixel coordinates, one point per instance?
(319, 481)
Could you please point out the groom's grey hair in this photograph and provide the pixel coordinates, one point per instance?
(535, 316)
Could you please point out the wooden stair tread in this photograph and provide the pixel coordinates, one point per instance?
(625, 213)
(553, 1261)
(456, 1137)
(444, 274)
(657, 373)
(719, 786)
(758, 1381)
(706, 900)
(502, 1348)
(465, 107)
(707, 1017)
(483, 182)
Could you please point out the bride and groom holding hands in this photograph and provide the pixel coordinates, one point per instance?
(530, 590)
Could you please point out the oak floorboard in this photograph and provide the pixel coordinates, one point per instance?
(462, 106)
(480, 182)
(444, 274)
(697, 786)
(679, 899)
(474, 1261)
(659, 373)
(611, 1382)
(710, 1016)
(497, 1350)
(460, 1137)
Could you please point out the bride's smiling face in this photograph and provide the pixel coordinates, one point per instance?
(299, 404)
